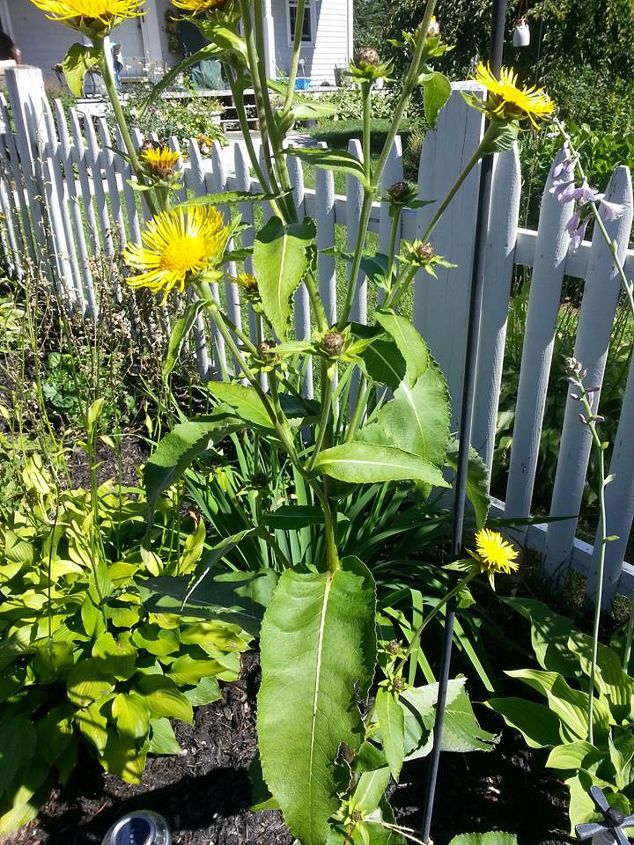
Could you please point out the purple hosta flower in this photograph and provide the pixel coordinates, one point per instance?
(612, 210)
(576, 228)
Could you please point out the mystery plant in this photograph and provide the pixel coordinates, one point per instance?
(382, 416)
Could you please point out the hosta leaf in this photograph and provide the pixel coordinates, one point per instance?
(280, 258)
(365, 463)
(124, 758)
(131, 715)
(162, 739)
(163, 698)
(17, 746)
(538, 725)
(318, 651)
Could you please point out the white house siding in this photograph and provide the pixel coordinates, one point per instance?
(332, 39)
(43, 42)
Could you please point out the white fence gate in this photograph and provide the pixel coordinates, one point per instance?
(65, 198)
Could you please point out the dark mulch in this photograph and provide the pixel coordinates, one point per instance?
(205, 793)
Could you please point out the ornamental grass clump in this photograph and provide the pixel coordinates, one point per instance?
(336, 710)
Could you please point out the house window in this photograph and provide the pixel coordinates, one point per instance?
(307, 28)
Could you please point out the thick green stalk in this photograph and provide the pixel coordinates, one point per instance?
(366, 211)
(394, 296)
(115, 102)
(297, 45)
(359, 408)
(326, 405)
(366, 98)
(475, 158)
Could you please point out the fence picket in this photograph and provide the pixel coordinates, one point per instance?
(500, 249)
(80, 159)
(553, 242)
(93, 160)
(598, 306)
(301, 298)
(217, 180)
(17, 194)
(85, 280)
(326, 262)
(619, 503)
(441, 305)
(393, 173)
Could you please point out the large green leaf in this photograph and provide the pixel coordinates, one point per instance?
(538, 725)
(436, 92)
(409, 342)
(318, 651)
(131, 715)
(17, 746)
(389, 714)
(492, 837)
(245, 401)
(416, 420)
(78, 61)
(280, 259)
(383, 362)
(162, 698)
(336, 160)
(365, 463)
(179, 449)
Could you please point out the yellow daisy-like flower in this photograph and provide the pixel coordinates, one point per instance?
(160, 160)
(177, 246)
(93, 16)
(508, 101)
(493, 554)
(246, 281)
(198, 7)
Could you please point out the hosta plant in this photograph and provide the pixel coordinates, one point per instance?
(82, 660)
(561, 724)
(381, 416)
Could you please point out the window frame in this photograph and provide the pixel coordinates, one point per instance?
(308, 9)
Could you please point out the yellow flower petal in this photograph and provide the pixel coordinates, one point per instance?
(493, 554)
(199, 6)
(176, 247)
(508, 100)
(101, 15)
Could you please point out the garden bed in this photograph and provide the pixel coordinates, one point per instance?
(205, 793)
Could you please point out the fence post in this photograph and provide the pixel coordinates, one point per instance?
(441, 305)
(600, 299)
(25, 90)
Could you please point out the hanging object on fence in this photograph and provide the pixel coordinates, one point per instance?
(521, 33)
(521, 29)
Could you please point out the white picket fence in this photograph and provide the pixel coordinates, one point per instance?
(66, 200)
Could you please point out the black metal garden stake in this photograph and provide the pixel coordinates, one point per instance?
(466, 416)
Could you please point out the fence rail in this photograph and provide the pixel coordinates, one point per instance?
(67, 199)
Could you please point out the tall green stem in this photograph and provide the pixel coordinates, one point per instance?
(297, 45)
(411, 80)
(115, 102)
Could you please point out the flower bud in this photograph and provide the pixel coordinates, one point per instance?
(265, 348)
(366, 57)
(333, 344)
(433, 30)
(401, 193)
(425, 253)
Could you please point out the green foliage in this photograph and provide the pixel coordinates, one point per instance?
(82, 660)
(561, 724)
(181, 118)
